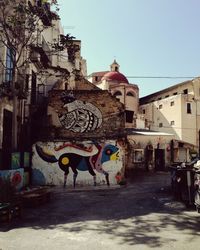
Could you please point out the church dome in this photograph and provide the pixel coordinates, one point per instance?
(115, 76)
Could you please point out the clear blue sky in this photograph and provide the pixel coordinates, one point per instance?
(147, 37)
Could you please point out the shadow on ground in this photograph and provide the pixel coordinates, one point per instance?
(136, 214)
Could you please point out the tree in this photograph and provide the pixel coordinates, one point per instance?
(20, 24)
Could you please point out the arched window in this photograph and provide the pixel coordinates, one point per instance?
(130, 94)
(117, 93)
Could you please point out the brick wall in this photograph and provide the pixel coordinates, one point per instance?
(82, 114)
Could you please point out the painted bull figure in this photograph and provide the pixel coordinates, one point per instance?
(81, 158)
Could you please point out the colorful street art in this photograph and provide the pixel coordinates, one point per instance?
(90, 158)
(26, 159)
(15, 160)
(79, 116)
(15, 177)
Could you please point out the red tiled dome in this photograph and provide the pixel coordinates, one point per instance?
(115, 76)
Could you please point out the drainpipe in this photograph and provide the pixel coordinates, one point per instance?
(199, 143)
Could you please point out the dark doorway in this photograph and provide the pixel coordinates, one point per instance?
(159, 159)
(129, 116)
(148, 157)
(7, 139)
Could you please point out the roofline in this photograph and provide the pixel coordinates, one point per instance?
(98, 72)
(142, 99)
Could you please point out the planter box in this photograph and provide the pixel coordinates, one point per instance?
(4, 212)
(9, 211)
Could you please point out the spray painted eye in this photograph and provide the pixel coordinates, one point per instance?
(65, 160)
(108, 152)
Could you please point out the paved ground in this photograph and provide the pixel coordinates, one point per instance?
(142, 216)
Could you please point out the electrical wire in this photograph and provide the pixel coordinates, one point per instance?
(151, 77)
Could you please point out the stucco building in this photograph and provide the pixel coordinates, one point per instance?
(175, 110)
(147, 148)
(118, 85)
(45, 67)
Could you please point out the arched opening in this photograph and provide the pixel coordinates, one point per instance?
(117, 93)
(130, 94)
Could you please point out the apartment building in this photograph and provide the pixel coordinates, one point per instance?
(44, 68)
(175, 110)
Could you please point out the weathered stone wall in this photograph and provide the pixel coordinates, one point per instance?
(85, 85)
(83, 114)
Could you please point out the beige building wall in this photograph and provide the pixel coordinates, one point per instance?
(175, 110)
(139, 142)
(103, 85)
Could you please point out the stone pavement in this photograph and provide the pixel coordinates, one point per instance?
(142, 215)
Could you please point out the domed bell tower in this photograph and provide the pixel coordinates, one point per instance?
(114, 66)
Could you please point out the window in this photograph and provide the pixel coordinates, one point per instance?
(166, 96)
(185, 91)
(96, 78)
(160, 106)
(10, 55)
(143, 111)
(175, 93)
(117, 93)
(160, 125)
(172, 123)
(138, 155)
(130, 94)
(160, 98)
(172, 103)
(189, 110)
(129, 116)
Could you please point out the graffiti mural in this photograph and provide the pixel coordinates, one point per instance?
(15, 160)
(79, 116)
(15, 177)
(92, 158)
(26, 159)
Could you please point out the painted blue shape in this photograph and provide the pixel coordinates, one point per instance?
(83, 165)
(38, 177)
(108, 151)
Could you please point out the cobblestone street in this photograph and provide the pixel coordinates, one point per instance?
(142, 215)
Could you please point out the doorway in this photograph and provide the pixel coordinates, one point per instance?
(159, 159)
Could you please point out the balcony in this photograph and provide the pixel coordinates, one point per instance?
(41, 53)
(6, 90)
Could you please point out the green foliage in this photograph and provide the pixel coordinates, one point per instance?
(67, 42)
(21, 23)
